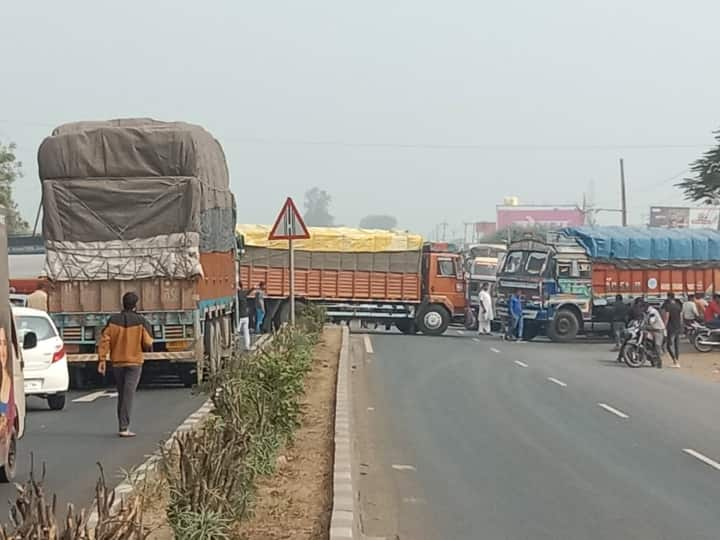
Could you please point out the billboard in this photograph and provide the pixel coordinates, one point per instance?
(678, 217)
(546, 216)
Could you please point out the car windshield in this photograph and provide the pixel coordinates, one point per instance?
(42, 327)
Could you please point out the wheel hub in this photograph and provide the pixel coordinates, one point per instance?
(432, 320)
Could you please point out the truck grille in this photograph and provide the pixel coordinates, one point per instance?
(174, 331)
(72, 333)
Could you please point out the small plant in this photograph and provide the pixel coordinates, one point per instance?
(203, 525)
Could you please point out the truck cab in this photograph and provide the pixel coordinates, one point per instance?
(555, 283)
(443, 289)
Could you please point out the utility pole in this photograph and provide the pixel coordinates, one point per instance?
(622, 193)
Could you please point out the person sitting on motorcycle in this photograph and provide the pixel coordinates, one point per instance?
(712, 313)
(654, 325)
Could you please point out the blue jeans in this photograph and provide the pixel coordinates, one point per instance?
(259, 318)
(518, 326)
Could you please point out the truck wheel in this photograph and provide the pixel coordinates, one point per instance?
(433, 320)
(7, 471)
(407, 326)
(564, 327)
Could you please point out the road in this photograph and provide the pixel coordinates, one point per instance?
(466, 438)
(71, 441)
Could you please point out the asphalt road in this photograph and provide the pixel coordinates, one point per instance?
(71, 441)
(467, 438)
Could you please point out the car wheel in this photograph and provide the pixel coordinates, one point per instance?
(7, 471)
(56, 402)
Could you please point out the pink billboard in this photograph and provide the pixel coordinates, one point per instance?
(546, 216)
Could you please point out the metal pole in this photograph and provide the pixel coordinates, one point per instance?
(292, 282)
(622, 191)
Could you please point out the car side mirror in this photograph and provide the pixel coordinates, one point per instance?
(30, 341)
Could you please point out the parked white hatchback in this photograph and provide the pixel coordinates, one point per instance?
(46, 368)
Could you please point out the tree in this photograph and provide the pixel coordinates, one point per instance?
(10, 170)
(514, 233)
(378, 221)
(317, 208)
(705, 186)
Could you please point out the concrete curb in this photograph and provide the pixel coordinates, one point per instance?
(342, 522)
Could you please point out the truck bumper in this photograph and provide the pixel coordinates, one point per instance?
(175, 357)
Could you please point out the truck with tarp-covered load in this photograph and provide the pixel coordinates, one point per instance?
(144, 206)
(383, 277)
(568, 282)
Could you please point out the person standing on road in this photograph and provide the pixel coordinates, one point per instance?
(259, 307)
(39, 298)
(485, 314)
(655, 326)
(243, 316)
(672, 317)
(619, 320)
(637, 311)
(124, 339)
(516, 316)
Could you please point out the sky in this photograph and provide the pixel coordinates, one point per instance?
(428, 111)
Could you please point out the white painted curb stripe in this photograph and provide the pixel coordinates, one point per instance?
(613, 410)
(368, 344)
(342, 521)
(556, 381)
(89, 398)
(714, 464)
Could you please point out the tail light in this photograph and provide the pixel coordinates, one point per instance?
(59, 354)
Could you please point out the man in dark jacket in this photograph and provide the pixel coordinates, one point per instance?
(124, 339)
(620, 312)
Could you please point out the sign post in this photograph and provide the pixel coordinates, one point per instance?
(290, 226)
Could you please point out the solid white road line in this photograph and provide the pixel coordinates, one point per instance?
(368, 344)
(95, 395)
(613, 410)
(521, 364)
(556, 381)
(714, 464)
(493, 349)
(403, 467)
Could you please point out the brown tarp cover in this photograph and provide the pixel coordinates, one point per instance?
(139, 181)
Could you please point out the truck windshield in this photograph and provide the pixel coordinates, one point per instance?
(535, 263)
(483, 269)
(525, 262)
(513, 262)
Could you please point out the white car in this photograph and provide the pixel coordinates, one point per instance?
(46, 368)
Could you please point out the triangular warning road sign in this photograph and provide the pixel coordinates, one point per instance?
(289, 224)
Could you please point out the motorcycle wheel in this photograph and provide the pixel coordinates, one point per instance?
(633, 356)
(700, 347)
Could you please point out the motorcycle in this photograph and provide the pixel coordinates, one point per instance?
(638, 347)
(705, 339)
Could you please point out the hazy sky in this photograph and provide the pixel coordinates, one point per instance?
(424, 110)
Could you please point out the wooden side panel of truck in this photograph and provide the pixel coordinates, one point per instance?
(608, 279)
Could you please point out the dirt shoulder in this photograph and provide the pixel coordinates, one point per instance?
(296, 502)
(704, 365)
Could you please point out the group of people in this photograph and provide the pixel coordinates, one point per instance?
(514, 328)
(667, 324)
(244, 312)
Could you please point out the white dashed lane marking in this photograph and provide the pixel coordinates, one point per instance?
(403, 467)
(493, 349)
(556, 381)
(476, 340)
(521, 364)
(697, 455)
(89, 398)
(368, 344)
(613, 410)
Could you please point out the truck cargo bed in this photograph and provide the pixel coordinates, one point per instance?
(608, 279)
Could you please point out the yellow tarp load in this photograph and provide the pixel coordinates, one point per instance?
(336, 239)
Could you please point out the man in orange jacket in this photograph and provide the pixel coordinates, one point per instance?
(124, 339)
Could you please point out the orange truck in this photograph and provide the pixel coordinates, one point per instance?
(569, 282)
(389, 278)
(144, 206)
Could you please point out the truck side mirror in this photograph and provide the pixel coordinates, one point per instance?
(29, 341)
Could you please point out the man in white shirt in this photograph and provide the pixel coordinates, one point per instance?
(656, 327)
(485, 314)
(690, 310)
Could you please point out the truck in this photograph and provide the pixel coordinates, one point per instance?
(481, 264)
(12, 385)
(384, 277)
(145, 206)
(568, 281)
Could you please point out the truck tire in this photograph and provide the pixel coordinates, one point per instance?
(7, 471)
(564, 327)
(433, 320)
(407, 326)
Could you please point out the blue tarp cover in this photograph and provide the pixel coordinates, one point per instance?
(648, 244)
